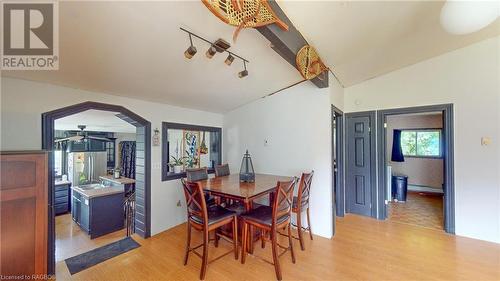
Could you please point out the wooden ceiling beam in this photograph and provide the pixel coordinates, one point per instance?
(288, 43)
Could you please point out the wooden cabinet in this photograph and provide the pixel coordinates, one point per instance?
(24, 213)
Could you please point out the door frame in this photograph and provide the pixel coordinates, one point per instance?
(372, 115)
(338, 199)
(143, 131)
(448, 157)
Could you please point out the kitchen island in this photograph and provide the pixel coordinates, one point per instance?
(98, 209)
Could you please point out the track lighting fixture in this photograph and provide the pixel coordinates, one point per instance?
(229, 60)
(191, 51)
(243, 73)
(218, 46)
(211, 52)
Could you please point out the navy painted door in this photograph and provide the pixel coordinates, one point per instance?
(358, 173)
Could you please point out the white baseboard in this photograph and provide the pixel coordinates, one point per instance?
(424, 189)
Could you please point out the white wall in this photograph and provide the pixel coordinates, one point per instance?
(470, 79)
(296, 123)
(23, 102)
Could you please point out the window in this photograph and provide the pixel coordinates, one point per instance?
(58, 167)
(187, 146)
(421, 143)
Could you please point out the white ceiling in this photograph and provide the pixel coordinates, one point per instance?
(135, 49)
(366, 39)
(95, 120)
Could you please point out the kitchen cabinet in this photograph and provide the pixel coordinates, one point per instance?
(62, 198)
(98, 215)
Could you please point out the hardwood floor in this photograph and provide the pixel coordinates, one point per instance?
(362, 249)
(72, 241)
(421, 208)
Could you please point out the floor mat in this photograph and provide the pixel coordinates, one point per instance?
(83, 261)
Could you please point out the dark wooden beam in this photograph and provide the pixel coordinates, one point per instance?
(288, 43)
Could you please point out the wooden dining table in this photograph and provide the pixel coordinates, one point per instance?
(230, 187)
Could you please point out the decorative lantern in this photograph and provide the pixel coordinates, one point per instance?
(156, 137)
(247, 173)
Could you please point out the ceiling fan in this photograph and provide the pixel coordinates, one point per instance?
(82, 136)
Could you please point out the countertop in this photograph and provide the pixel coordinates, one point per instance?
(90, 193)
(61, 182)
(121, 180)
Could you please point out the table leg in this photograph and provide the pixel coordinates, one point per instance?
(248, 207)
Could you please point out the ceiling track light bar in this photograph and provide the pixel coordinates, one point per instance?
(211, 44)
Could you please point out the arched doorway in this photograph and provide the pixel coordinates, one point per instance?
(143, 168)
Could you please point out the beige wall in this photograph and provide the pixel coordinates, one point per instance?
(469, 78)
(420, 171)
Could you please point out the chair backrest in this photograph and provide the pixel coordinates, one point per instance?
(195, 202)
(304, 189)
(283, 198)
(222, 170)
(197, 174)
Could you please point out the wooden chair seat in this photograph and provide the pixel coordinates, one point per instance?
(215, 214)
(263, 216)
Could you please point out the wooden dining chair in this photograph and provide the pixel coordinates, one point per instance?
(301, 203)
(222, 170)
(206, 220)
(198, 174)
(271, 220)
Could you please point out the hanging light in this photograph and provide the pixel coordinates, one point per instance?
(463, 17)
(211, 52)
(191, 51)
(229, 60)
(243, 73)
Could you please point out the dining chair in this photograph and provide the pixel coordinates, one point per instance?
(222, 170)
(198, 174)
(301, 203)
(271, 220)
(203, 219)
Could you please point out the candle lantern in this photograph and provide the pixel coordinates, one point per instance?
(247, 173)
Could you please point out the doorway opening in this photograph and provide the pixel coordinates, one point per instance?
(337, 163)
(89, 142)
(415, 166)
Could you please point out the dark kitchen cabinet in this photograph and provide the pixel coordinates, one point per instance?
(98, 215)
(62, 198)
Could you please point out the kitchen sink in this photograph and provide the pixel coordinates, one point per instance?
(91, 186)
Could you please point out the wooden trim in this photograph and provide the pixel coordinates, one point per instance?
(339, 196)
(448, 156)
(48, 123)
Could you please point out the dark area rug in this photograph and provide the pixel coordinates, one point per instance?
(83, 261)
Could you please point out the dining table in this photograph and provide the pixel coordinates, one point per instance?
(230, 187)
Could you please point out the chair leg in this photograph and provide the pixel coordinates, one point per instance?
(244, 242)
(216, 239)
(235, 237)
(275, 254)
(290, 242)
(205, 254)
(299, 229)
(262, 239)
(250, 240)
(188, 243)
(309, 224)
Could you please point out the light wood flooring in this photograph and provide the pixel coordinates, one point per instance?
(362, 249)
(421, 208)
(72, 241)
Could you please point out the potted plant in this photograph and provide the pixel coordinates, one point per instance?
(177, 164)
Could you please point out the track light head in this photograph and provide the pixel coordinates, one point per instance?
(190, 52)
(243, 73)
(229, 60)
(211, 52)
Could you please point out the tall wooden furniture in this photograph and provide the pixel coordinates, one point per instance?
(222, 170)
(270, 220)
(24, 214)
(301, 203)
(206, 220)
